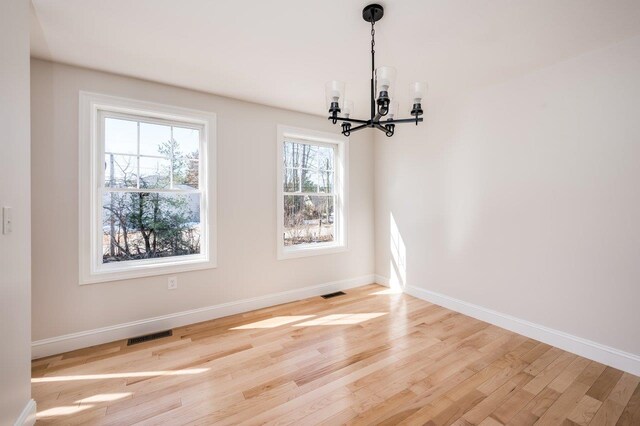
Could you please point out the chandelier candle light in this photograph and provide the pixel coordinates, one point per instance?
(382, 85)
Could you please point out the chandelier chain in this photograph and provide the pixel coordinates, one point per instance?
(373, 34)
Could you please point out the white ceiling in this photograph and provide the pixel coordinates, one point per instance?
(281, 52)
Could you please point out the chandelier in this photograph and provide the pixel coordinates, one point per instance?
(383, 107)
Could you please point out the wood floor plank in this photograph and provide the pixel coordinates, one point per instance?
(535, 408)
(579, 379)
(584, 412)
(369, 357)
(604, 384)
(608, 414)
(631, 413)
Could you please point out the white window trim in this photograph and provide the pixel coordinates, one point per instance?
(91, 269)
(342, 189)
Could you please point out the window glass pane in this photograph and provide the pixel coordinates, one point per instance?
(188, 142)
(309, 156)
(295, 154)
(325, 158)
(290, 155)
(186, 173)
(120, 136)
(120, 171)
(308, 219)
(325, 181)
(309, 179)
(149, 225)
(291, 182)
(155, 139)
(155, 172)
(300, 155)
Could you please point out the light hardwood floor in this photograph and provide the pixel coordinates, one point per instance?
(369, 357)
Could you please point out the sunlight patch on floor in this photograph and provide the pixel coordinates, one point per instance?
(105, 397)
(341, 319)
(64, 410)
(118, 375)
(273, 322)
(387, 291)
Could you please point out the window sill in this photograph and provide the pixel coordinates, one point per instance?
(116, 272)
(310, 250)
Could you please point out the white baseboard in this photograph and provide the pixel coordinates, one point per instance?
(28, 415)
(84, 339)
(586, 348)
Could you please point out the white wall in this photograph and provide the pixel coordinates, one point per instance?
(15, 248)
(524, 198)
(247, 265)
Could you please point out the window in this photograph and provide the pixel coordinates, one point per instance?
(145, 200)
(312, 201)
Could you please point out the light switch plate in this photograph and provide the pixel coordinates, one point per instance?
(7, 220)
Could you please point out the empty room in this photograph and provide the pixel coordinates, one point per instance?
(320, 212)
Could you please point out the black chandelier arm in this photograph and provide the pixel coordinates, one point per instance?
(388, 130)
(377, 117)
(403, 120)
(376, 122)
(355, 129)
(380, 127)
(349, 120)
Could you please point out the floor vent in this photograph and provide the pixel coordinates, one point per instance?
(148, 337)
(330, 295)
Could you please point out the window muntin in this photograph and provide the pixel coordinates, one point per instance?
(151, 202)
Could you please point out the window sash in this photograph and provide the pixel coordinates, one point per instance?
(102, 189)
(311, 194)
(314, 245)
(307, 169)
(336, 194)
(162, 157)
(318, 170)
(125, 154)
(104, 114)
(156, 190)
(151, 261)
